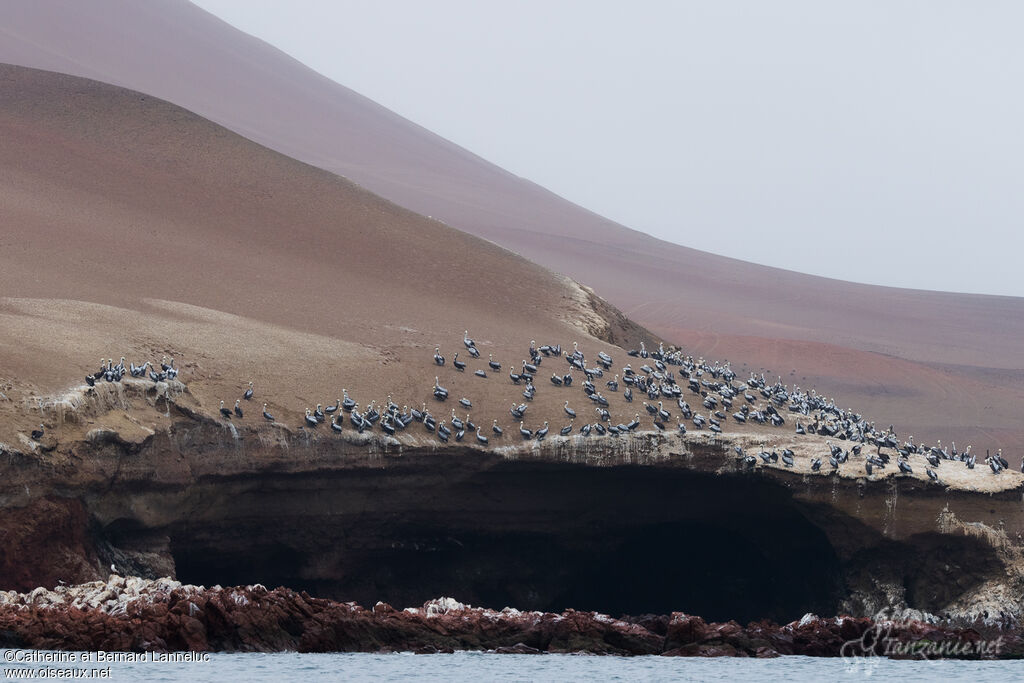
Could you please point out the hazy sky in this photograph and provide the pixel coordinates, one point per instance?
(872, 141)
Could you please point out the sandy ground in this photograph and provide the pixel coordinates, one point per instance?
(118, 208)
(716, 306)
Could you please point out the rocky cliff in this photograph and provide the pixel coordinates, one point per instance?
(648, 523)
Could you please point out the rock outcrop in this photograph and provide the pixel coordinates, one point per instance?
(132, 614)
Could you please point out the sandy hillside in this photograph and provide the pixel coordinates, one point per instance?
(135, 228)
(958, 353)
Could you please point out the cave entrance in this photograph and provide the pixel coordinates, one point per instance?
(619, 540)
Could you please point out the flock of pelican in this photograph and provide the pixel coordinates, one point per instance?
(661, 389)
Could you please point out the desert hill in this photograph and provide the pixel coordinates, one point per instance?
(133, 227)
(937, 363)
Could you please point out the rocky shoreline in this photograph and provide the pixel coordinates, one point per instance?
(139, 615)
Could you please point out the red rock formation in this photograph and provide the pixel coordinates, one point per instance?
(53, 533)
(138, 615)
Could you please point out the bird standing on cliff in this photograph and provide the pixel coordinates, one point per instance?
(238, 407)
(248, 393)
(224, 411)
(38, 433)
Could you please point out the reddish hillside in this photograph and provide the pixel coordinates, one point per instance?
(183, 54)
(134, 227)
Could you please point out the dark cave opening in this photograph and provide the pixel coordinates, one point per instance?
(619, 540)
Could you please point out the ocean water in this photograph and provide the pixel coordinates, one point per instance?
(476, 666)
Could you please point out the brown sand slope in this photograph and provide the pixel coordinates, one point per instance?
(717, 305)
(131, 226)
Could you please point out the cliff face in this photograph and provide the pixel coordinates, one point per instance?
(649, 523)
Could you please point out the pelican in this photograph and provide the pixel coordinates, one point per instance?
(496, 429)
(248, 393)
(568, 411)
(541, 433)
(459, 365)
(267, 416)
(480, 437)
(493, 363)
(238, 407)
(310, 420)
(224, 411)
(440, 393)
(566, 430)
(524, 431)
(38, 433)
(438, 358)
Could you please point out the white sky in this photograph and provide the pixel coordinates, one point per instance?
(878, 141)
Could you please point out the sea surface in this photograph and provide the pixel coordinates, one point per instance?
(475, 666)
